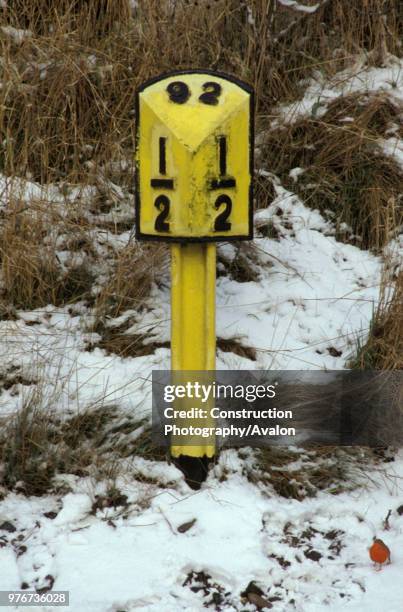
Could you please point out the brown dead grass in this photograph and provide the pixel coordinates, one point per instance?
(67, 114)
(70, 82)
(37, 445)
(234, 345)
(136, 268)
(298, 474)
(90, 18)
(115, 341)
(383, 349)
(32, 275)
(242, 265)
(346, 174)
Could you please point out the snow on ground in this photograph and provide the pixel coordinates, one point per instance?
(361, 79)
(313, 297)
(307, 557)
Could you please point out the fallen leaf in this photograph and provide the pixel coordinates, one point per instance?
(186, 526)
(7, 526)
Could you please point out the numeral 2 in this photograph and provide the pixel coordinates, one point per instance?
(180, 93)
(162, 204)
(221, 223)
(212, 91)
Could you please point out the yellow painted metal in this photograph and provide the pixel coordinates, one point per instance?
(206, 154)
(193, 340)
(193, 188)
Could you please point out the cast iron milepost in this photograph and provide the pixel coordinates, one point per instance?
(194, 169)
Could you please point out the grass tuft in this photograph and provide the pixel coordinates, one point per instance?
(383, 349)
(346, 174)
(32, 273)
(297, 474)
(37, 445)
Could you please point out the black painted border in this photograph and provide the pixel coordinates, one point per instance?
(184, 239)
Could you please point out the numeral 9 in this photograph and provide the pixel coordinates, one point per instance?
(178, 91)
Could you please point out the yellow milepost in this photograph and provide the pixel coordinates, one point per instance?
(193, 339)
(194, 157)
(194, 166)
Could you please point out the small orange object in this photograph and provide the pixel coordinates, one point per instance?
(379, 553)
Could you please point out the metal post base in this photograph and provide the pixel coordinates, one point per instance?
(195, 469)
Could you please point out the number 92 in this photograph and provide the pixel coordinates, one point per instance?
(180, 93)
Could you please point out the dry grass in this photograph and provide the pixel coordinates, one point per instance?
(346, 174)
(37, 445)
(32, 274)
(27, 452)
(240, 263)
(135, 269)
(65, 102)
(235, 346)
(297, 474)
(373, 26)
(70, 81)
(66, 112)
(91, 18)
(115, 341)
(383, 349)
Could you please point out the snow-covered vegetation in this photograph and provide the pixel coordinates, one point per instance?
(87, 502)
